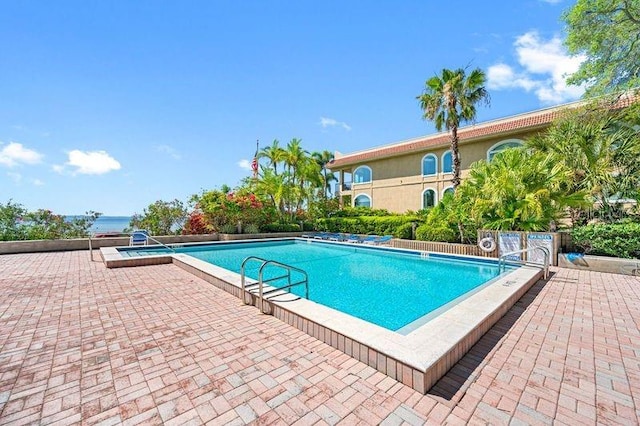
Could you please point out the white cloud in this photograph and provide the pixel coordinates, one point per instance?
(37, 182)
(15, 177)
(331, 122)
(502, 76)
(14, 154)
(244, 164)
(89, 163)
(170, 151)
(543, 68)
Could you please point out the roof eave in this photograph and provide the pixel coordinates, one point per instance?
(345, 161)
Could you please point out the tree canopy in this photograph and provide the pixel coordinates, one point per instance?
(600, 147)
(608, 33)
(450, 99)
(161, 218)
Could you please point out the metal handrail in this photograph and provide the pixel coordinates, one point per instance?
(149, 237)
(262, 281)
(502, 260)
(160, 243)
(243, 279)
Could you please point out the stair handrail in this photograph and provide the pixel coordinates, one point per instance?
(502, 260)
(262, 281)
(243, 280)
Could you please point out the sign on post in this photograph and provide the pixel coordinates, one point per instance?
(539, 240)
(508, 242)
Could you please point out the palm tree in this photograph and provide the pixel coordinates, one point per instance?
(272, 186)
(322, 159)
(519, 190)
(309, 180)
(601, 150)
(294, 154)
(294, 158)
(274, 153)
(450, 99)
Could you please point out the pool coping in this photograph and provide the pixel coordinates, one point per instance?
(417, 359)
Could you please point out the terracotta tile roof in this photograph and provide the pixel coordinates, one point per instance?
(518, 123)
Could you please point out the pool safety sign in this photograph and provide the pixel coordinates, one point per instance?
(508, 242)
(539, 240)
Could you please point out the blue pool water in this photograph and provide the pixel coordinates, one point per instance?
(385, 287)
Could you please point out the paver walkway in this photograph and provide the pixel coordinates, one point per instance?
(83, 344)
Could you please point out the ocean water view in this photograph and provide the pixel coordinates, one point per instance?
(109, 224)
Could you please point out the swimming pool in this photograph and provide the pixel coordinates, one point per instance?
(393, 289)
(417, 355)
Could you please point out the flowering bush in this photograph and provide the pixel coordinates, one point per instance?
(222, 208)
(197, 223)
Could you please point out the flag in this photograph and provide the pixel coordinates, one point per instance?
(254, 162)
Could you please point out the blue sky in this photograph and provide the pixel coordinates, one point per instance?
(111, 105)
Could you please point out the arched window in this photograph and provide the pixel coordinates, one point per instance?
(428, 198)
(501, 146)
(448, 190)
(429, 165)
(447, 162)
(362, 200)
(362, 174)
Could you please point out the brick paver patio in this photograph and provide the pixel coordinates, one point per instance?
(83, 344)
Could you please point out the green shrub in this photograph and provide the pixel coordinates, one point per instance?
(250, 228)
(442, 233)
(378, 225)
(404, 231)
(228, 228)
(360, 212)
(441, 223)
(617, 240)
(281, 227)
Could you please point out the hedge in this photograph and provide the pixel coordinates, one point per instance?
(281, 227)
(617, 240)
(398, 226)
(361, 212)
(439, 233)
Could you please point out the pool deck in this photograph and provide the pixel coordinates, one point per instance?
(80, 343)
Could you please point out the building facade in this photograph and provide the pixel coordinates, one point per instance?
(415, 174)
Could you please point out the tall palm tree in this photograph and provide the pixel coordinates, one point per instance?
(322, 159)
(274, 153)
(294, 154)
(309, 180)
(273, 187)
(294, 158)
(450, 99)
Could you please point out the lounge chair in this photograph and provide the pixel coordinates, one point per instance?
(378, 241)
(369, 239)
(336, 237)
(139, 238)
(321, 236)
(353, 238)
(384, 240)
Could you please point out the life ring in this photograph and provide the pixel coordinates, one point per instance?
(487, 244)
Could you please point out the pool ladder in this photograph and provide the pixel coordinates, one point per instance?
(250, 288)
(502, 261)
